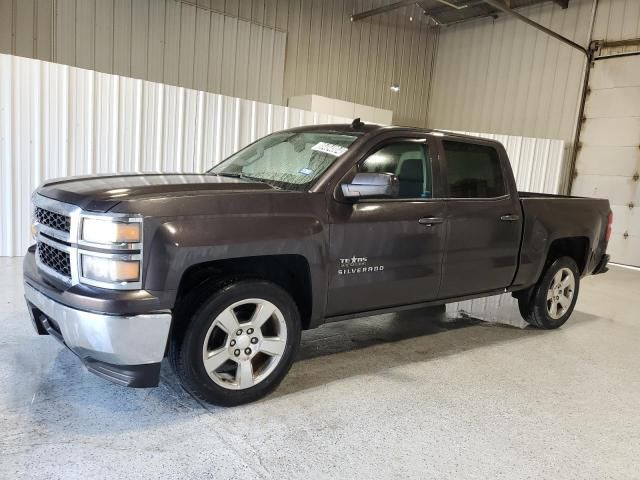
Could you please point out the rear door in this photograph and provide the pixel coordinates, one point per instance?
(388, 252)
(484, 221)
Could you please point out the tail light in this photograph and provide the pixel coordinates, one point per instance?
(609, 226)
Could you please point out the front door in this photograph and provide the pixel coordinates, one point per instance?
(388, 252)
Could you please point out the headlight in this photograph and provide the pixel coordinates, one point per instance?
(106, 231)
(110, 270)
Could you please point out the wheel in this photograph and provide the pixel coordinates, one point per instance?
(238, 344)
(551, 301)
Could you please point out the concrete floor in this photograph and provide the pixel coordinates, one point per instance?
(416, 395)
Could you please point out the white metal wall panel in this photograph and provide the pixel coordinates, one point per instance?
(57, 121)
(608, 161)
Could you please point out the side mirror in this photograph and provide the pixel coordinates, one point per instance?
(371, 185)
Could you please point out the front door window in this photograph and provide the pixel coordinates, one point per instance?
(409, 161)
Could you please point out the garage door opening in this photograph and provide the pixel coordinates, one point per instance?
(608, 161)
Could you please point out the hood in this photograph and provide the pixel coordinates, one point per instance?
(100, 193)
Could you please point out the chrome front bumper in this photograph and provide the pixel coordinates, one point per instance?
(111, 346)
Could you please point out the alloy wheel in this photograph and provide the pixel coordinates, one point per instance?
(244, 344)
(560, 293)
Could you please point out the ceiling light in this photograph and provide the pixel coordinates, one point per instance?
(395, 87)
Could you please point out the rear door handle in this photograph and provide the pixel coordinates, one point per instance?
(430, 221)
(512, 217)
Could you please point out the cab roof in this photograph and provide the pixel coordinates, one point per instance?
(370, 128)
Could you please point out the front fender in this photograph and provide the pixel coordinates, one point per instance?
(181, 243)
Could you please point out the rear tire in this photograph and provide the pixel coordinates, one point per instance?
(551, 301)
(239, 343)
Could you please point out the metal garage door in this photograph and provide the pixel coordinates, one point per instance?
(608, 162)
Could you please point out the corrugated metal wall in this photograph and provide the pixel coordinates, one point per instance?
(58, 121)
(330, 56)
(504, 76)
(176, 43)
(237, 47)
(617, 20)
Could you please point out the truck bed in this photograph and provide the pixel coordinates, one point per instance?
(543, 195)
(549, 217)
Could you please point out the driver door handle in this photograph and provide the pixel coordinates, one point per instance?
(430, 221)
(512, 217)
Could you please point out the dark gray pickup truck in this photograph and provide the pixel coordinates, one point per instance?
(221, 271)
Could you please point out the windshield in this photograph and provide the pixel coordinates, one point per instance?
(291, 161)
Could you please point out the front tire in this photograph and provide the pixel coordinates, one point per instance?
(551, 301)
(239, 343)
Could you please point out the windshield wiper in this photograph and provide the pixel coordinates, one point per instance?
(244, 177)
(255, 179)
(227, 174)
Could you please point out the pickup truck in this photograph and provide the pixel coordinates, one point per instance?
(221, 271)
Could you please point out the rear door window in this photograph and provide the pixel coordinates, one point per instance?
(473, 171)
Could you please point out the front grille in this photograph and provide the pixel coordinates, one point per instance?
(53, 220)
(55, 259)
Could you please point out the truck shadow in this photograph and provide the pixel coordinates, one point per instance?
(368, 345)
(55, 382)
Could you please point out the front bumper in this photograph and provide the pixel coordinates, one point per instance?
(126, 349)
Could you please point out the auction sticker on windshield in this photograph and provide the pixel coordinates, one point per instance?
(330, 148)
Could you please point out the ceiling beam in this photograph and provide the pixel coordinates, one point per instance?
(465, 20)
(441, 10)
(500, 5)
(450, 6)
(384, 9)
